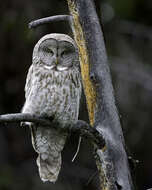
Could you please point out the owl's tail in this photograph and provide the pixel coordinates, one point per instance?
(48, 170)
(48, 143)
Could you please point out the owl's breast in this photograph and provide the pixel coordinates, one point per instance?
(57, 94)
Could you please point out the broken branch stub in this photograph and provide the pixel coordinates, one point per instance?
(46, 20)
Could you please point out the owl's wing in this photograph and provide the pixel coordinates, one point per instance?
(28, 84)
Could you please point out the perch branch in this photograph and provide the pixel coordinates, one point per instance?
(80, 127)
(46, 20)
(20, 117)
(85, 130)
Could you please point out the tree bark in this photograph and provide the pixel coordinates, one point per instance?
(112, 161)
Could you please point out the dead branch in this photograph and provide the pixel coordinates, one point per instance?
(50, 19)
(80, 127)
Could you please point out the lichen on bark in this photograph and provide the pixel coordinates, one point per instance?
(89, 88)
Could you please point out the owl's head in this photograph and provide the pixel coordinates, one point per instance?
(56, 51)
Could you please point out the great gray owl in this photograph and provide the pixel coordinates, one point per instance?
(53, 88)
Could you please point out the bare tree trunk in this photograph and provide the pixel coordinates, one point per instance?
(112, 161)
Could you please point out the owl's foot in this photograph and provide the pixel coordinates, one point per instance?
(25, 124)
(45, 116)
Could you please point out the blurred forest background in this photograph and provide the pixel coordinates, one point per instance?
(127, 26)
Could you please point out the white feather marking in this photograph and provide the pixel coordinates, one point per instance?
(49, 67)
(59, 68)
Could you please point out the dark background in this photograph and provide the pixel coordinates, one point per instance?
(127, 26)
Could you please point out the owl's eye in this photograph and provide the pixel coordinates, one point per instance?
(47, 50)
(64, 53)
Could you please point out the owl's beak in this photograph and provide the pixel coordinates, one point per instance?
(56, 61)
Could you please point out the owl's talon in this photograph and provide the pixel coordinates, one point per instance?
(45, 116)
(25, 124)
(22, 124)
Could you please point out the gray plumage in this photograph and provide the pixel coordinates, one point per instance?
(53, 88)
